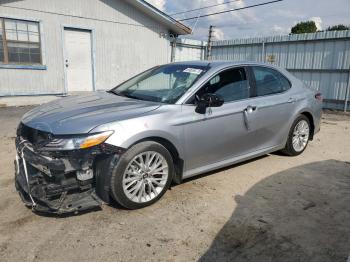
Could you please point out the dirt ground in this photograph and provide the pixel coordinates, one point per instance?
(274, 208)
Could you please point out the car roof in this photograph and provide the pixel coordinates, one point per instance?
(221, 63)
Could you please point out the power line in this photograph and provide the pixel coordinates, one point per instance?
(205, 7)
(231, 10)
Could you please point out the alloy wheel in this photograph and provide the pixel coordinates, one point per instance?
(145, 177)
(301, 135)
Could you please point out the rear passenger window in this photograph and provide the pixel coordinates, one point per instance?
(231, 85)
(269, 81)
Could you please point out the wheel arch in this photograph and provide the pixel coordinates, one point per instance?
(178, 161)
(312, 123)
(105, 164)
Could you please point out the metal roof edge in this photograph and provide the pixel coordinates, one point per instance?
(176, 26)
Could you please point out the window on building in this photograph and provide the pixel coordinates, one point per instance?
(269, 81)
(19, 42)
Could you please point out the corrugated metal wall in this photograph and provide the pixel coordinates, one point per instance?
(321, 60)
(126, 42)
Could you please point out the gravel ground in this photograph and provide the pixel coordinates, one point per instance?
(274, 208)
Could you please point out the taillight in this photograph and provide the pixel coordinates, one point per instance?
(319, 97)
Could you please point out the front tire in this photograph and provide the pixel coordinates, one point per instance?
(298, 137)
(142, 176)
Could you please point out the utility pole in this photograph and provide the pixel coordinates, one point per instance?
(210, 42)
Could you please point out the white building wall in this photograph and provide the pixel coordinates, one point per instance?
(125, 42)
(188, 50)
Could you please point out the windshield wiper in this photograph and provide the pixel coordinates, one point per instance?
(113, 92)
(121, 94)
(133, 97)
(125, 95)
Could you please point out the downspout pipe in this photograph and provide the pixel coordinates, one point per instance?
(173, 47)
(347, 93)
(263, 57)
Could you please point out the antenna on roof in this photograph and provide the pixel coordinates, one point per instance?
(199, 14)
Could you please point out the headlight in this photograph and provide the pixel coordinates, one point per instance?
(79, 142)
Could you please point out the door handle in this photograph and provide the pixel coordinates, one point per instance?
(246, 112)
(291, 100)
(250, 109)
(246, 119)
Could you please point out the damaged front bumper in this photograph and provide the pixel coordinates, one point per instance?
(60, 182)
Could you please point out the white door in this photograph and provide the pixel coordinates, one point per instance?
(78, 60)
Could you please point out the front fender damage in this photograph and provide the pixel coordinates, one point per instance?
(63, 182)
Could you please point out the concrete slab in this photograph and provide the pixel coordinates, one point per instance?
(32, 100)
(274, 208)
(26, 100)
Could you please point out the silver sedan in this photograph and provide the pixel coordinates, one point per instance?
(164, 125)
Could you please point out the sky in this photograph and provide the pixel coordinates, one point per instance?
(273, 19)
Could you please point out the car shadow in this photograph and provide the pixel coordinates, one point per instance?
(300, 214)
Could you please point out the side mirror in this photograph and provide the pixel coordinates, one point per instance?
(208, 100)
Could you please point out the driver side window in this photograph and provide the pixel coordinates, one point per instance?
(231, 85)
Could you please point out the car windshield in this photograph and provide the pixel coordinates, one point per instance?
(165, 84)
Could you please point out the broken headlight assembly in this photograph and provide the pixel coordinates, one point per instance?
(78, 142)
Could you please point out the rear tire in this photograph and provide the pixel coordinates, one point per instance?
(142, 175)
(298, 137)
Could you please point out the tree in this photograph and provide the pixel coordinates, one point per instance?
(338, 28)
(304, 27)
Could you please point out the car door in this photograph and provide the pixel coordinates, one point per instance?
(270, 110)
(221, 132)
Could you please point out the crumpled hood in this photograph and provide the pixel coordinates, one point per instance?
(80, 114)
